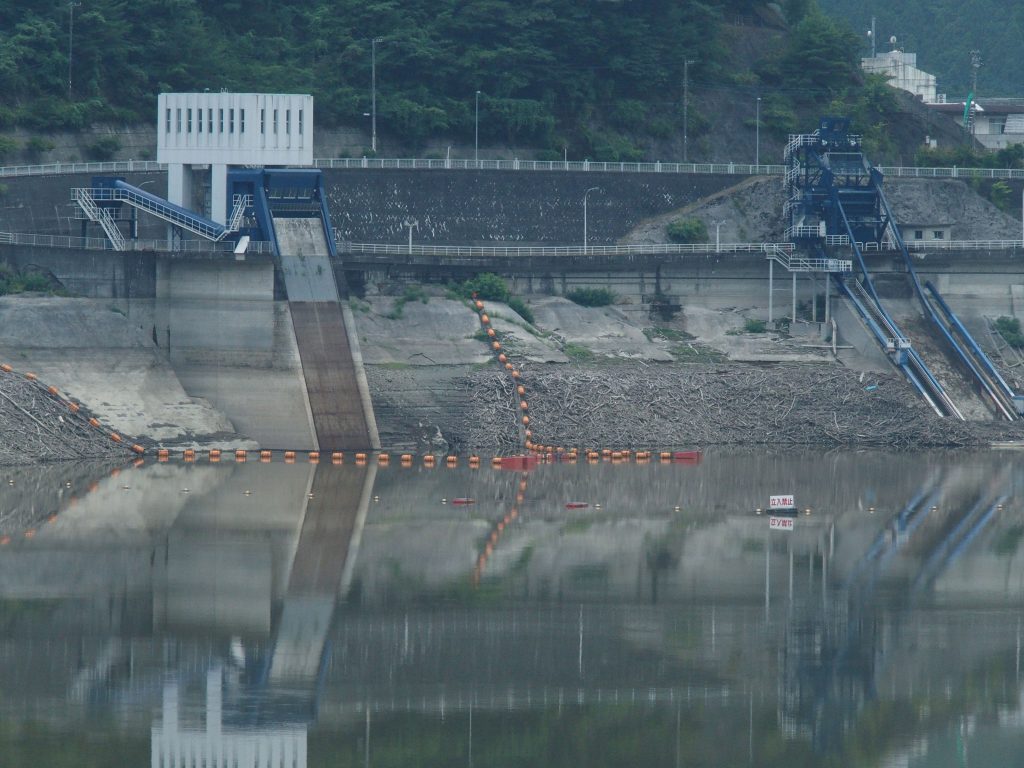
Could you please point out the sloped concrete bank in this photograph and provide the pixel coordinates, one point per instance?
(226, 374)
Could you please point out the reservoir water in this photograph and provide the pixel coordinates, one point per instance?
(296, 614)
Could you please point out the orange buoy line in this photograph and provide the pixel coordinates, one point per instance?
(539, 454)
(74, 407)
(491, 542)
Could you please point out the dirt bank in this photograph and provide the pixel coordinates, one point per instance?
(663, 405)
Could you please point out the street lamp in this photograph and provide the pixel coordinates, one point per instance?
(373, 92)
(585, 194)
(71, 38)
(476, 130)
(718, 227)
(757, 134)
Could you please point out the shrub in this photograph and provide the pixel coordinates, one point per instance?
(519, 307)
(7, 146)
(104, 148)
(487, 286)
(35, 281)
(1001, 195)
(1009, 329)
(591, 297)
(37, 146)
(754, 326)
(687, 231)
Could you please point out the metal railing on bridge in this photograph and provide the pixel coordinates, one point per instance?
(103, 244)
(703, 249)
(730, 168)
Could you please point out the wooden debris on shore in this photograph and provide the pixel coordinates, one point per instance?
(38, 426)
(627, 406)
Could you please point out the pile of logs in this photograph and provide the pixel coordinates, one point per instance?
(610, 406)
(37, 426)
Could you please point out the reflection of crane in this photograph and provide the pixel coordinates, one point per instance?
(831, 656)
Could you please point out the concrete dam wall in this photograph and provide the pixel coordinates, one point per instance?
(450, 207)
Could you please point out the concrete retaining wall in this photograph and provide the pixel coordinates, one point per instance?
(484, 207)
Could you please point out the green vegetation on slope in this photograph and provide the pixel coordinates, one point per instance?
(605, 79)
(536, 63)
(943, 33)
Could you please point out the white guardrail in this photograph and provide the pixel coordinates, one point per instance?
(103, 244)
(396, 249)
(737, 169)
(547, 250)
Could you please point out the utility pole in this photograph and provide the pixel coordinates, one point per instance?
(757, 134)
(71, 38)
(975, 66)
(585, 194)
(476, 130)
(373, 92)
(686, 106)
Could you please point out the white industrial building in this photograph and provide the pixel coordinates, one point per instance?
(901, 70)
(199, 135)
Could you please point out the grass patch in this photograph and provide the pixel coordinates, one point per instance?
(28, 280)
(410, 294)
(1009, 329)
(591, 297)
(667, 334)
(578, 353)
(750, 325)
(520, 307)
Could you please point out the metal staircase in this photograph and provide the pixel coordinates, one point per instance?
(100, 216)
(122, 192)
(794, 262)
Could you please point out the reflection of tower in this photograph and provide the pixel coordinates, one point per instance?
(176, 741)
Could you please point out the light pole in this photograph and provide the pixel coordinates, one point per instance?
(373, 92)
(476, 130)
(718, 227)
(585, 194)
(757, 134)
(71, 38)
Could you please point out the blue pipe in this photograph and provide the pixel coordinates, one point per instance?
(964, 357)
(979, 354)
(959, 550)
(940, 552)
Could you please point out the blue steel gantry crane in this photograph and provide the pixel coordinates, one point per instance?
(835, 201)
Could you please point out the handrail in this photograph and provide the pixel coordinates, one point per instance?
(728, 168)
(545, 250)
(102, 244)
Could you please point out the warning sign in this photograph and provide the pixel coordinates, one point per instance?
(780, 523)
(781, 502)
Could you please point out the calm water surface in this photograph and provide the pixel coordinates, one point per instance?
(297, 615)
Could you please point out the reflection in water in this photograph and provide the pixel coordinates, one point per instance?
(291, 614)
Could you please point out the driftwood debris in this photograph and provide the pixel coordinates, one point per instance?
(37, 426)
(609, 406)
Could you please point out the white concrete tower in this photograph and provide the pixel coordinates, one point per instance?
(197, 132)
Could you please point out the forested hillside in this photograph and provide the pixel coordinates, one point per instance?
(943, 33)
(604, 77)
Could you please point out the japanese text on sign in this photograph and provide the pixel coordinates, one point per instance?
(780, 523)
(780, 502)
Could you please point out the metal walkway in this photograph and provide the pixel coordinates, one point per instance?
(95, 202)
